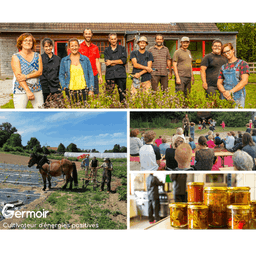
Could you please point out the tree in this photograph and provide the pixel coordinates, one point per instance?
(116, 148)
(61, 148)
(123, 149)
(72, 148)
(6, 130)
(34, 145)
(14, 140)
(45, 150)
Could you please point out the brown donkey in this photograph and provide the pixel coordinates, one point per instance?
(55, 168)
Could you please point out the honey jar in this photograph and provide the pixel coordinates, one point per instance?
(238, 195)
(238, 216)
(197, 216)
(178, 215)
(195, 192)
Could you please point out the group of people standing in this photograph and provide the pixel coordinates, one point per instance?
(79, 74)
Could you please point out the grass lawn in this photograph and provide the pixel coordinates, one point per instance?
(197, 100)
(98, 210)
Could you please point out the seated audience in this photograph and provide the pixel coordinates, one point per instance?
(229, 142)
(249, 146)
(242, 161)
(135, 143)
(171, 163)
(204, 156)
(149, 154)
(210, 142)
(183, 155)
(164, 146)
(192, 143)
(253, 131)
(238, 144)
(248, 129)
(217, 140)
(209, 133)
(179, 133)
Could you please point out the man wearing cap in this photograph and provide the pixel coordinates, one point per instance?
(107, 168)
(210, 67)
(162, 60)
(142, 63)
(182, 66)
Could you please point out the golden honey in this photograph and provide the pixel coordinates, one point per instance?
(238, 195)
(197, 216)
(216, 199)
(238, 216)
(178, 215)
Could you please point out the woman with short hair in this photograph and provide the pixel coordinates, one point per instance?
(135, 143)
(27, 68)
(242, 161)
(51, 67)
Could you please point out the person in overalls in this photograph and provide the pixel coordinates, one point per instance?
(94, 168)
(233, 77)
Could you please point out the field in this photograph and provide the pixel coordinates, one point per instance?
(157, 99)
(80, 208)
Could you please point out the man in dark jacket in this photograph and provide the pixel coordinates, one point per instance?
(179, 187)
(115, 60)
(153, 197)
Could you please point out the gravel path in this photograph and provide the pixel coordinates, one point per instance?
(5, 91)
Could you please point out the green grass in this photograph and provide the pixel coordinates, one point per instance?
(70, 209)
(170, 132)
(197, 98)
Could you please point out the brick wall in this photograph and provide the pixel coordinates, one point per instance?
(7, 49)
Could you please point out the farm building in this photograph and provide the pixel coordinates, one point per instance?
(200, 34)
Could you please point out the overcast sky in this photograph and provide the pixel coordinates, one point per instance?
(87, 129)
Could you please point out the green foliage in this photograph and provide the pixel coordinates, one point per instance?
(34, 145)
(72, 148)
(246, 43)
(61, 148)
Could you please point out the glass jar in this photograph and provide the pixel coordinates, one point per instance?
(216, 199)
(197, 216)
(238, 195)
(253, 215)
(195, 192)
(178, 215)
(238, 216)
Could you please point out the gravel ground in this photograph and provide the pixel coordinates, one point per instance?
(5, 91)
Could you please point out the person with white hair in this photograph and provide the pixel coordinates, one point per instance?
(179, 133)
(242, 161)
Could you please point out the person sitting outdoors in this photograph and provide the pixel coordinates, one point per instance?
(179, 133)
(192, 143)
(183, 155)
(149, 154)
(217, 140)
(248, 129)
(249, 146)
(253, 131)
(242, 161)
(204, 156)
(229, 142)
(164, 146)
(142, 138)
(238, 143)
(171, 162)
(211, 128)
(209, 133)
(135, 143)
(158, 141)
(210, 142)
(238, 139)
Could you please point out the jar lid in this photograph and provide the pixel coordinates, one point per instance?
(178, 205)
(198, 206)
(239, 188)
(216, 188)
(239, 207)
(195, 183)
(196, 203)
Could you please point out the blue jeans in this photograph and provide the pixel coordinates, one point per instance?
(96, 84)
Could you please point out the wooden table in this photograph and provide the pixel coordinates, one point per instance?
(165, 224)
(221, 155)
